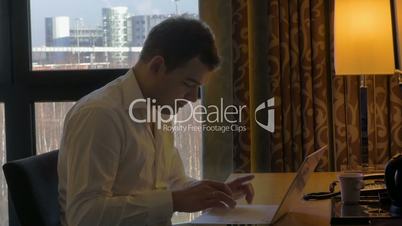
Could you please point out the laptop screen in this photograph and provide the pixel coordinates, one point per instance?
(295, 190)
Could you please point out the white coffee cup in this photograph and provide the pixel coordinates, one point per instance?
(351, 183)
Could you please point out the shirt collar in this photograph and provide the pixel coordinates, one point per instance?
(132, 91)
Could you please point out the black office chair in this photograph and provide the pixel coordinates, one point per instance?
(33, 183)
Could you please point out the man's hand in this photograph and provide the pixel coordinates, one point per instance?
(240, 187)
(202, 195)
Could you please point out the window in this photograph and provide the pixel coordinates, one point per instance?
(49, 121)
(3, 185)
(67, 37)
(50, 40)
(189, 145)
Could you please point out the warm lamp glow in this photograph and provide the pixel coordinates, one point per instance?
(363, 37)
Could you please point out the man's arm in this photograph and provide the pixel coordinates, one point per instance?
(190, 195)
(239, 187)
(93, 140)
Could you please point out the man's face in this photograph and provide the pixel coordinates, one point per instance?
(180, 83)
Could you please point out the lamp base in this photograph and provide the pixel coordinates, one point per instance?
(363, 122)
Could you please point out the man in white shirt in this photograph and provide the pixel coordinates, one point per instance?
(114, 170)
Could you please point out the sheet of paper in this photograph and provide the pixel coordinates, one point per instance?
(242, 214)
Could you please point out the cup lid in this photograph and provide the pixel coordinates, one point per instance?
(350, 175)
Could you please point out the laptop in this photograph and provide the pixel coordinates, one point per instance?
(265, 214)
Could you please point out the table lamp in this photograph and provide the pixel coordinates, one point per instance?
(363, 46)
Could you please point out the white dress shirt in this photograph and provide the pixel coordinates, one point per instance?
(112, 170)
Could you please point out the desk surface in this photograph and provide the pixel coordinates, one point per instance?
(271, 187)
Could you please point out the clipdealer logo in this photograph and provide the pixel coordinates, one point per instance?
(220, 118)
(270, 105)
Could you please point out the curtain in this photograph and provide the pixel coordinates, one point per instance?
(297, 69)
(284, 49)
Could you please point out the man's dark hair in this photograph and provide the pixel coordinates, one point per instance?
(180, 39)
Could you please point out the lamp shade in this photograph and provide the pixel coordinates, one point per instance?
(363, 41)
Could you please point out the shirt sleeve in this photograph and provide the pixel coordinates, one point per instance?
(92, 140)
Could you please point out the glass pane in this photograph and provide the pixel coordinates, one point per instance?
(97, 34)
(49, 120)
(189, 144)
(3, 184)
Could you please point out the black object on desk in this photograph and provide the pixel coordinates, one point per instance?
(393, 180)
(370, 209)
(373, 186)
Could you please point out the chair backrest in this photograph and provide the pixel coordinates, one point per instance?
(33, 186)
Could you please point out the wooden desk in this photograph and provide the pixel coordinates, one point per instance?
(271, 187)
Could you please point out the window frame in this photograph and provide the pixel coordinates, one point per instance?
(74, 80)
(21, 87)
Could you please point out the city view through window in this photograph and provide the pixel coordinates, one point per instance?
(95, 34)
(108, 36)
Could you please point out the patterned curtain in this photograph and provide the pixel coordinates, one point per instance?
(284, 49)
